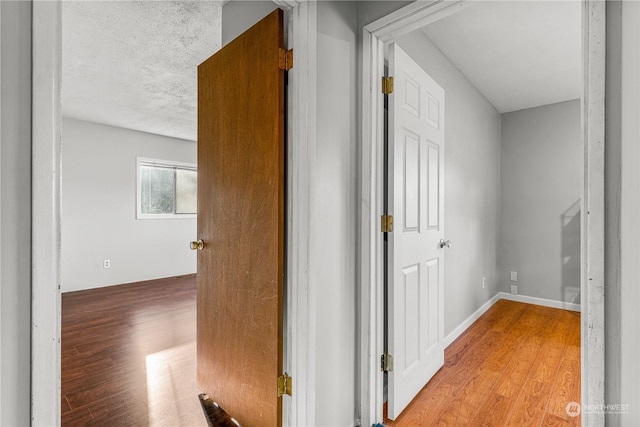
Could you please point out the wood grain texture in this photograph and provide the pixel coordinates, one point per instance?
(128, 355)
(517, 365)
(241, 170)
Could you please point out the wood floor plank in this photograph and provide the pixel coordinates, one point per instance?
(516, 373)
(128, 355)
(567, 385)
(92, 362)
(120, 406)
(551, 420)
(462, 409)
(494, 409)
(422, 413)
(115, 384)
(497, 318)
(64, 405)
(464, 359)
(510, 367)
(484, 378)
(532, 403)
(522, 345)
(80, 417)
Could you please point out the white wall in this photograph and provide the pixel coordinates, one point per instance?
(334, 267)
(540, 208)
(471, 183)
(99, 209)
(15, 212)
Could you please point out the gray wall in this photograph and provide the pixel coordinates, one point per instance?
(369, 11)
(240, 15)
(334, 267)
(622, 223)
(15, 212)
(630, 218)
(99, 209)
(540, 209)
(613, 108)
(471, 183)
(15, 275)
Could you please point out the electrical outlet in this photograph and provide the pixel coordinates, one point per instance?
(106, 263)
(484, 282)
(514, 289)
(514, 276)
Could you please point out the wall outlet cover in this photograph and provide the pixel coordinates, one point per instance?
(514, 289)
(106, 263)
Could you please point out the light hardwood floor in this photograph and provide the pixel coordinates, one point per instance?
(518, 365)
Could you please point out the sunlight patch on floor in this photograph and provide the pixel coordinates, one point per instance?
(167, 371)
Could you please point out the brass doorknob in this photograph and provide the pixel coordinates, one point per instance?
(199, 245)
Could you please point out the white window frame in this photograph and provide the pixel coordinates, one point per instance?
(160, 163)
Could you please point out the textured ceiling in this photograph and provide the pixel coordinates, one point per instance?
(518, 54)
(133, 64)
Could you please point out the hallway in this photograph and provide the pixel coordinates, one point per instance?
(517, 365)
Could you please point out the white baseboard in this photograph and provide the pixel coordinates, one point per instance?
(541, 301)
(504, 295)
(469, 320)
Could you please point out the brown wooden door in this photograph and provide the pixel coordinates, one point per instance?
(241, 169)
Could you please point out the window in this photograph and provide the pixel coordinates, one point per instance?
(166, 189)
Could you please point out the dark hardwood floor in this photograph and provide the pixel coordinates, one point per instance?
(518, 365)
(128, 355)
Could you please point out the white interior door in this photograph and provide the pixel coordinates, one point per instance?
(416, 193)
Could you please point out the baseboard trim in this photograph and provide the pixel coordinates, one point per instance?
(541, 301)
(459, 330)
(469, 320)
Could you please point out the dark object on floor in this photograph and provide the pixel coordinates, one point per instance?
(216, 416)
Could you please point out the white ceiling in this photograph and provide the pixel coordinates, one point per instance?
(133, 64)
(518, 54)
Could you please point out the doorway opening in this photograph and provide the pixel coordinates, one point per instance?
(391, 29)
(46, 308)
(128, 156)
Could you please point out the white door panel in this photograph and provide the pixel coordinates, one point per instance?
(416, 153)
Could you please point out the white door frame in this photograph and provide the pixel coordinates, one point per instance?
(299, 317)
(390, 28)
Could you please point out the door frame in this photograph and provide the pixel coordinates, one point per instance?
(299, 320)
(374, 38)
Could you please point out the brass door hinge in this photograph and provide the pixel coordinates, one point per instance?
(387, 85)
(285, 385)
(386, 223)
(386, 362)
(285, 59)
